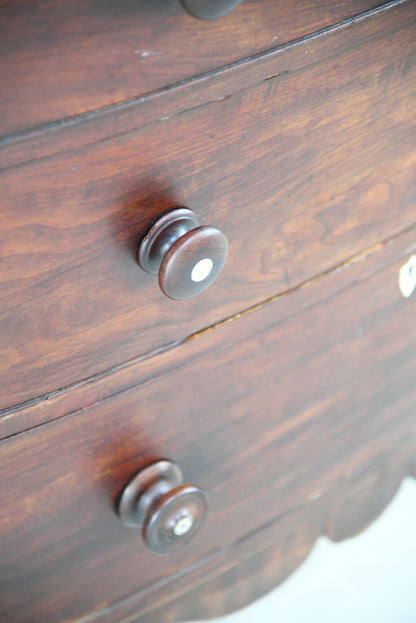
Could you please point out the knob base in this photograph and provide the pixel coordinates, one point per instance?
(145, 489)
(162, 235)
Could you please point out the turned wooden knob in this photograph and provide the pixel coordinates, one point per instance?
(168, 512)
(209, 9)
(186, 256)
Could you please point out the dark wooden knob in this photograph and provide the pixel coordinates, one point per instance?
(168, 512)
(209, 9)
(187, 257)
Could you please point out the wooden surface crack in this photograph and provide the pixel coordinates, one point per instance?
(358, 257)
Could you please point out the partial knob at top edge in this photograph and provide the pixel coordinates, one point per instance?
(187, 257)
(209, 9)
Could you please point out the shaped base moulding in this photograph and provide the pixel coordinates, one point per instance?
(233, 579)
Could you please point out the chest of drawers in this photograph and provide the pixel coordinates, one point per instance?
(286, 389)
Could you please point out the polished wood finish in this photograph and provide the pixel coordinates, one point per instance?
(286, 390)
(70, 57)
(320, 391)
(318, 177)
(264, 561)
(74, 133)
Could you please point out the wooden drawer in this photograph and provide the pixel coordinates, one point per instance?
(320, 389)
(312, 163)
(69, 57)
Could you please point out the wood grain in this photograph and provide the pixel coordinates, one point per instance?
(320, 390)
(66, 58)
(243, 576)
(301, 172)
(86, 129)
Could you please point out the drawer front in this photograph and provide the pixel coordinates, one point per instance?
(301, 172)
(69, 57)
(266, 414)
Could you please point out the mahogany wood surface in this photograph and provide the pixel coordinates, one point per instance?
(76, 132)
(301, 171)
(262, 562)
(67, 57)
(320, 390)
